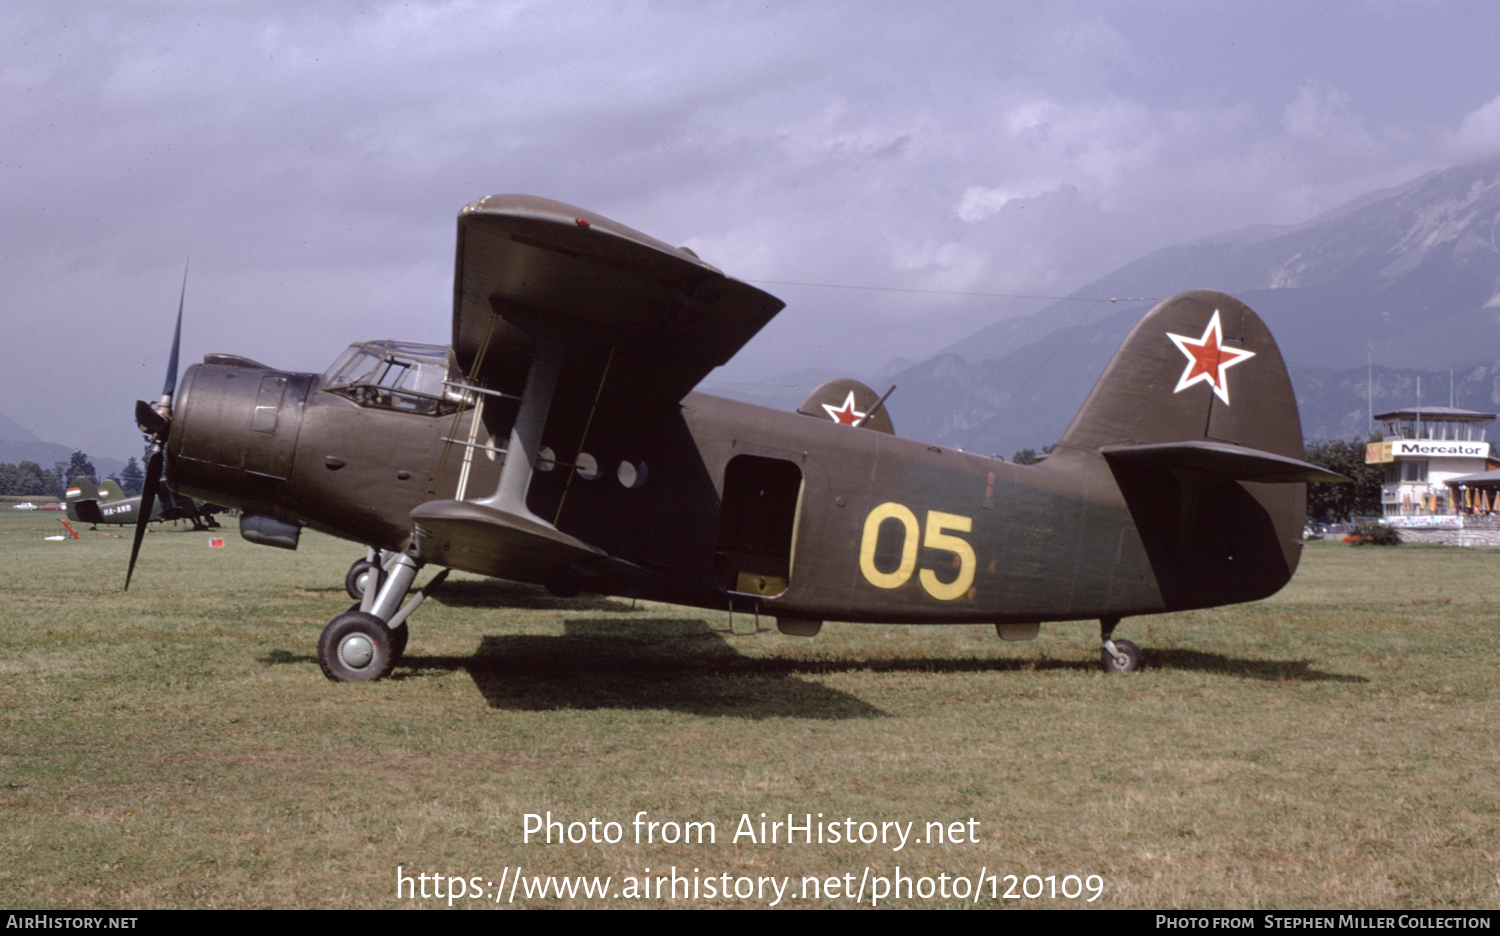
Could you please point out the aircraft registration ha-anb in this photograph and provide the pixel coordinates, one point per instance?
(558, 441)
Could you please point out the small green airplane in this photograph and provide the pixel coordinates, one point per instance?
(558, 441)
(87, 502)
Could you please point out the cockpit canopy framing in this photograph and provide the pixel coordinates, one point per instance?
(398, 375)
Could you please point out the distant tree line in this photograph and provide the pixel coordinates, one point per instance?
(29, 479)
(1343, 502)
(1030, 457)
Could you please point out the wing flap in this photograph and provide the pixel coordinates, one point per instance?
(1224, 460)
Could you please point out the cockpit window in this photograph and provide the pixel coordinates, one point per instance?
(397, 375)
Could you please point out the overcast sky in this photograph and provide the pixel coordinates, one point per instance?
(311, 159)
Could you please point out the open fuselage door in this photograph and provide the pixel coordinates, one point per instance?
(758, 516)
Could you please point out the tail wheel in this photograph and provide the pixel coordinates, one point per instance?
(1125, 659)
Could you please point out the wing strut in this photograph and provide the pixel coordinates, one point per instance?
(583, 439)
(526, 433)
(475, 420)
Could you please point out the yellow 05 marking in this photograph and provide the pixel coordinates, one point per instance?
(937, 522)
(937, 537)
(890, 510)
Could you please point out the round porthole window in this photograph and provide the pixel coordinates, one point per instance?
(632, 475)
(588, 467)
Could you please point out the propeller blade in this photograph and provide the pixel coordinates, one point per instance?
(155, 422)
(148, 500)
(170, 386)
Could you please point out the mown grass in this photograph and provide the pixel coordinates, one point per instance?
(1332, 747)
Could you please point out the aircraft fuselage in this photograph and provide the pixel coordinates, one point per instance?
(721, 503)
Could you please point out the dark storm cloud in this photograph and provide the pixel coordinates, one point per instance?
(311, 159)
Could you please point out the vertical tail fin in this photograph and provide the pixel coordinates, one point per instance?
(81, 488)
(1200, 366)
(849, 402)
(82, 498)
(1196, 419)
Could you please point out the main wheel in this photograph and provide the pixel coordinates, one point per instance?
(399, 636)
(355, 647)
(358, 578)
(1128, 650)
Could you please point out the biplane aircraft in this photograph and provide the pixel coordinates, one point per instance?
(558, 441)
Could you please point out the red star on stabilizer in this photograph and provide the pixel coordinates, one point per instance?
(1208, 359)
(845, 415)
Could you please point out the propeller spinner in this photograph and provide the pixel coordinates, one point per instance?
(154, 420)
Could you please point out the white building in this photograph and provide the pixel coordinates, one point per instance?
(1423, 449)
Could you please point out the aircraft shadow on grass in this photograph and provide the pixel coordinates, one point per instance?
(678, 665)
(687, 665)
(1268, 670)
(606, 663)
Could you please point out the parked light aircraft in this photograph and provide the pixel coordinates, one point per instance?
(106, 503)
(558, 441)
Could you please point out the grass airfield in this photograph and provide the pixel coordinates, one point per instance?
(177, 746)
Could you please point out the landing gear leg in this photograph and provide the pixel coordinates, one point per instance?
(365, 643)
(1118, 656)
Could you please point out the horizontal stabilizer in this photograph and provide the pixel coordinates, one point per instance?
(476, 538)
(1221, 459)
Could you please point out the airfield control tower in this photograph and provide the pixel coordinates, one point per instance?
(1428, 452)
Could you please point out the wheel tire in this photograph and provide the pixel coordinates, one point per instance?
(358, 575)
(1132, 653)
(355, 647)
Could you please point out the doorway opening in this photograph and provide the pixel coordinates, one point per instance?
(757, 525)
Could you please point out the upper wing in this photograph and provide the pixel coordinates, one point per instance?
(656, 317)
(595, 332)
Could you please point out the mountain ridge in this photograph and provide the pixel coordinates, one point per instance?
(1407, 275)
